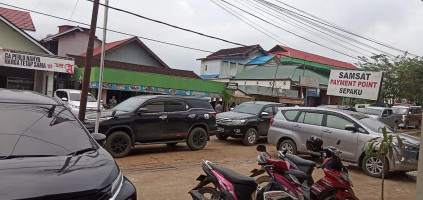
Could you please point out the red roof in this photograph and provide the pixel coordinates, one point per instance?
(282, 51)
(116, 44)
(21, 19)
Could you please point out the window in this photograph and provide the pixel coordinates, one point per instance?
(155, 107)
(389, 112)
(205, 68)
(61, 94)
(333, 121)
(291, 114)
(175, 106)
(385, 112)
(199, 103)
(269, 110)
(311, 118)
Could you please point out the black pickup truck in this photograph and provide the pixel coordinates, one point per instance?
(249, 121)
(156, 119)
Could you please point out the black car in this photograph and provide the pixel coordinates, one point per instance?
(46, 153)
(248, 121)
(156, 120)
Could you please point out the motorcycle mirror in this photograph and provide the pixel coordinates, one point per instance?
(339, 142)
(261, 148)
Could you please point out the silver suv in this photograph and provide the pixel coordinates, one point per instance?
(292, 126)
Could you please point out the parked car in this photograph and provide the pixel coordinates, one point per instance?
(411, 115)
(340, 107)
(156, 120)
(385, 115)
(72, 98)
(46, 153)
(292, 127)
(248, 121)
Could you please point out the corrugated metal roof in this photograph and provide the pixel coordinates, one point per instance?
(282, 72)
(238, 52)
(260, 60)
(21, 19)
(209, 76)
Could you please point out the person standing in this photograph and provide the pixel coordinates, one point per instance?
(218, 108)
(112, 102)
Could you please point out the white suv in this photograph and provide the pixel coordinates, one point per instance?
(71, 98)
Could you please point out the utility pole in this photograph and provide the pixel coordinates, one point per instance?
(100, 79)
(419, 192)
(88, 61)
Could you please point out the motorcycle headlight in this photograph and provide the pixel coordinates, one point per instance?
(237, 122)
(116, 186)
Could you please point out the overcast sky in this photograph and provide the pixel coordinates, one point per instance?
(396, 22)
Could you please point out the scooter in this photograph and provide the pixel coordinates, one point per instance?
(299, 185)
(229, 185)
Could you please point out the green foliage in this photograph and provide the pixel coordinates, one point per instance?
(383, 145)
(402, 76)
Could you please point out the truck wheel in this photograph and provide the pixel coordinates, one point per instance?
(221, 136)
(288, 145)
(118, 144)
(395, 126)
(372, 166)
(250, 137)
(197, 139)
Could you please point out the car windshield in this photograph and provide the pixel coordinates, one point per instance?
(249, 108)
(372, 123)
(76, 96)
(130, 104)
(400, 111)
(40, 130)
(371, 111)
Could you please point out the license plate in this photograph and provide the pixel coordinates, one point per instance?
(220, 129)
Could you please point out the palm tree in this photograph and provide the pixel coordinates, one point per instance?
(383, 146)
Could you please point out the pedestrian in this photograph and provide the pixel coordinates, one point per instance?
(112, 102)
(218, 107)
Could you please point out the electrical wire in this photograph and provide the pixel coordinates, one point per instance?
(314, 42)
(74, 9)
(119, 32)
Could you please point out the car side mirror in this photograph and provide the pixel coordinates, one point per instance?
(64, 99)
(100, 138)
(261, 148)
(142, 110)
(350, 127)
(263, 114)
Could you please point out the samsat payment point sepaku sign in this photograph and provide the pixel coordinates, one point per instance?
(355, 84)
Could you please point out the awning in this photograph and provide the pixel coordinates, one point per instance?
(35, 61)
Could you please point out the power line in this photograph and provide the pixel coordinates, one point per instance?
(335, 26)
(292, 32)
(74, 9)
(170, 25)
(123, 33)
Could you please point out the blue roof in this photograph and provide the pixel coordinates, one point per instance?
(209, 76)
(260, 60)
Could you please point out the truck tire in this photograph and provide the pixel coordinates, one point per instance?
(250, 137)
(197, 139)
(118, 144)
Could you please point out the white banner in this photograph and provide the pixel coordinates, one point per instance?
(10, 58)
(355, 84)
(309, 81)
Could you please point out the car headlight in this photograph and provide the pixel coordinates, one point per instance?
(116, 186)
(237, 122)
(406, 146)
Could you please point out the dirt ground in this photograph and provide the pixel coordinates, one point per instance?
(162, 172)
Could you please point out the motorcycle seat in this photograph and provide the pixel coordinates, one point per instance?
(234, 177)
(300, 161)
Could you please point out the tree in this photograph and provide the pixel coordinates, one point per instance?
(382, 147)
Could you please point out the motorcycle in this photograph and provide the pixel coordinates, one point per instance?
(229, 185)
(298, 183)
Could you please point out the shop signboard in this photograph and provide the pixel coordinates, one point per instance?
(354, 84)
(45, 62)
(308, 81)
(313, 92)
(232, 86)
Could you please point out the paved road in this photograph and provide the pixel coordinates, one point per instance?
(162, 172)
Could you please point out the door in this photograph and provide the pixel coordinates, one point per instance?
(151, 123)
(265, 120)
(307, 124)
(384, 117)
(179, 119)
(334, 130)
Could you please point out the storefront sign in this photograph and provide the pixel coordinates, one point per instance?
(307, 81)
(291, 101)
(355, 84)
(313, 92)
(232, 86)
(32, 61)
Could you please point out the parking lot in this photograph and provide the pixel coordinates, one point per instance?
(163, 172)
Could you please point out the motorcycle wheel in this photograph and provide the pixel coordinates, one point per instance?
(210, 193)
(263, 181)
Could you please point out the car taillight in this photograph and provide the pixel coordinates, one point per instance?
(271, 121)
(213, 113)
